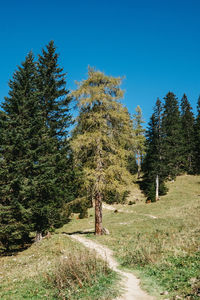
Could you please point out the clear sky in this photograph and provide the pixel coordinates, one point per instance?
(155, 44)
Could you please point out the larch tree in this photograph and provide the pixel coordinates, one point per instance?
(102, 139)
(139, 138)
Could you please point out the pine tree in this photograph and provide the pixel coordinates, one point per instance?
(197, 139)
(132, 164)
(101, 139)
(54, 98)
(35, 174)
(55, 155)
(139, 138)
(20, 124)
(172, 136)
(187, 120)
(153, 179)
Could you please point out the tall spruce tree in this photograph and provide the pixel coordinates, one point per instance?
(139, 138)
(35, 170)
(153, 179)
(172, 137)
(54, 97)
(55, 155)
(20, 124)
(197, 139)
(101, 139)
(187, 121)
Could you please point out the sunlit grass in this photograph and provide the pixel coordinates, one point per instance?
(162, 251)
(158, 236)
(56, 268)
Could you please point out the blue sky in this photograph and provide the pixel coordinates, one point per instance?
(155, 44)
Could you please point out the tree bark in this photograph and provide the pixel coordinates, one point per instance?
(38, 237)
(139, 164)
(98, 214)
(157, 188)
(98, 192)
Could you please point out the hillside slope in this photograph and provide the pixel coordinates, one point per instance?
(159, 241)
(56, 268)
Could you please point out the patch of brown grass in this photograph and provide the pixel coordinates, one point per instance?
(75, 271)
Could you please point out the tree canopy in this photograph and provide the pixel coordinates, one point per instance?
(102, 139)
(34, 165)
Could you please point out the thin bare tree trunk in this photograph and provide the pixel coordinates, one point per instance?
(38, 236)
(157, 188)
(139, 164)
(98, 192)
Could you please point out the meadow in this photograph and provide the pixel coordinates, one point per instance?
(56, 268)
(159, 242)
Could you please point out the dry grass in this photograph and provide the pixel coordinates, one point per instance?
(77, 271)
(56, 268)
(169, 241)
(163, 249)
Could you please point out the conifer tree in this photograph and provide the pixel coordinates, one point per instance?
(153, 179)
(20, 124)
(139, 137)
(172, 136)
(197, 139)
(132, 163)
(54, 98)
(187, 121)
(55, 155)
(35, 172)
(101, 139)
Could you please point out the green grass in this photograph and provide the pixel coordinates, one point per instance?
(56, 268)
(164, 251)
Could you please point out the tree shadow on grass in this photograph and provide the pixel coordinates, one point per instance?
(79, 232)
(14, 252)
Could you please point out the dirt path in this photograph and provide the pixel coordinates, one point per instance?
(110, 207)
(130, 282)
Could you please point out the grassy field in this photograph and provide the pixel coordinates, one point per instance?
(158, 241)
(56, 268)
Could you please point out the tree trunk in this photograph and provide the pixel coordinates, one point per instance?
(157, 188)
(38, 237)
(98, 192)
(98, 214)
(139, 164)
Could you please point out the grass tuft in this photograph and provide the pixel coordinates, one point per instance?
(78, 273)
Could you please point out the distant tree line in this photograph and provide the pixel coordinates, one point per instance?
(172, 144)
